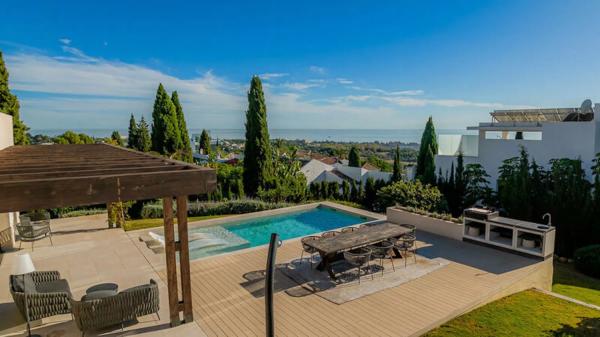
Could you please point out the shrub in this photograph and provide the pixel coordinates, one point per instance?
(587, 260)
(153, 211)
(82, 212)
(410, 194)
(38, 215)
(233, 207)
(441, 216)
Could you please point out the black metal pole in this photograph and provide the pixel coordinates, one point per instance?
(269, 284)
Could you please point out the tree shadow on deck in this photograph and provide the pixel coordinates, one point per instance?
(485, 258)
(587, 327)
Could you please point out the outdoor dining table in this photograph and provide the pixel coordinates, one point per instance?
(329, 248)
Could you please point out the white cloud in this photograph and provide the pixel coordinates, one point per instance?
(344, 81)
(390, 93)
(81, 91)
(302, 85)
(269, 76)
(65, 41)
(317, 70)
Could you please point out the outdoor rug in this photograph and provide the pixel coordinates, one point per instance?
(346, 287)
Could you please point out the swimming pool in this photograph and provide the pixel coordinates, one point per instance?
(218, 239)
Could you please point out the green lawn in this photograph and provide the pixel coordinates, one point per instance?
(526, 314)
(570, 282)
(131, 225)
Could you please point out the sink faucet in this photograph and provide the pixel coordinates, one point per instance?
(549, 218)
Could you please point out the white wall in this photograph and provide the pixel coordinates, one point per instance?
(425, 223)
(6, 131)
(559, 140)
(7, 220)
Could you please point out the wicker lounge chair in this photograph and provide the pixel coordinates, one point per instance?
(47, 294)
(127, 305)
(349, 229)
(33, 230)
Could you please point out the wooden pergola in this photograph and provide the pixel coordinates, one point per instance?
(49, 176)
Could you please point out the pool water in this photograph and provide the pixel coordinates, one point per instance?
(256, 232)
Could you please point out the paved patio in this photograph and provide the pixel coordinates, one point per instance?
(227, 293)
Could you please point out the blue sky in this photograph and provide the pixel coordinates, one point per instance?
(325, 64)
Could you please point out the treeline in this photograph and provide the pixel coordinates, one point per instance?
(527, 191)
(348, 191)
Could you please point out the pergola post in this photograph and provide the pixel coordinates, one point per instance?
(171, 249)
(171, 260)
(184, 258)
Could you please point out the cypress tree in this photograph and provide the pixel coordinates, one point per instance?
(428, 176)
(185, 147)
(9, 104)
(324, 189)
(144, 143)
(158, 125)
(205, 142)
(132, 134)
(166, 138)
(345, 190)
(427, 151)
(398, 167)
(370, 193)
(353, 191)
(354, 157)
(257, 150)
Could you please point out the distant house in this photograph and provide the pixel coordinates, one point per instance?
(545, 133)
(317, 171)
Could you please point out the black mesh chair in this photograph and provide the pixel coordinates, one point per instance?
(330, 234)
(383, 250)
(358, 258)
(308, 249)
(407, 244)
(413, 228)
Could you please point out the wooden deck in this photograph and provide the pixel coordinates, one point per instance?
(224, 306)
(227, 304)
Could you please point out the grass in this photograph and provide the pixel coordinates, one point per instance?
(132, 225)
(525, 314)
(570, 282)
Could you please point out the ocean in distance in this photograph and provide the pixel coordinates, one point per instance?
(335, 135)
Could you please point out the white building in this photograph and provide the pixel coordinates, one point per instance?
(7, 220)
(545, 133)
(317, 171)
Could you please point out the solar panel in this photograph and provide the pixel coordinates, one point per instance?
(533, 115)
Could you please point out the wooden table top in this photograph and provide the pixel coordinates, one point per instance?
(362, 236)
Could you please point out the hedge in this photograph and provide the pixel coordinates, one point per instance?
(217, 208)
(587, 260)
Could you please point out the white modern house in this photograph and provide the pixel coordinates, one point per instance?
(317, 171)
(545, 133)
(7, 220)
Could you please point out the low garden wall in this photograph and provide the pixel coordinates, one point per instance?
(425, 223)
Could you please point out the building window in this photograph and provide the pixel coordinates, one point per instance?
(508, 135)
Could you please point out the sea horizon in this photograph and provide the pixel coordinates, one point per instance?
(334, 135)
